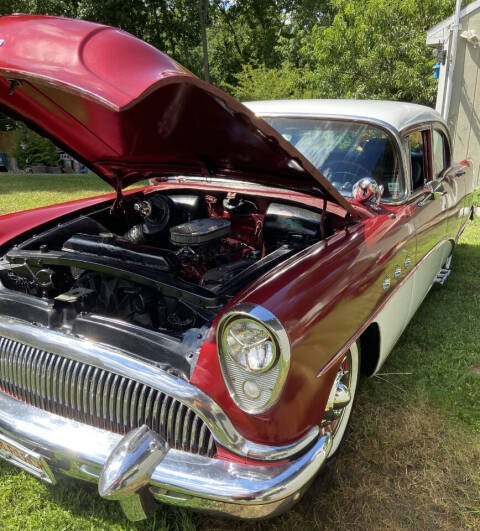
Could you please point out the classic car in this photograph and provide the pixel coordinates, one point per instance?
(199, 342)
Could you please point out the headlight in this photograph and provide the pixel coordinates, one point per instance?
(254, 355)
(249, 344)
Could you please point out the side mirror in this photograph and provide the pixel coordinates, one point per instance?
(367, 189)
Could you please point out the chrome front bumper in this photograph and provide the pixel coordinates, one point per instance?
(241, 490)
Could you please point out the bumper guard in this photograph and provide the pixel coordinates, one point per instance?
(139, 468)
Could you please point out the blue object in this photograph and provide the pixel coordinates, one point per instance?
(3, 162)
(436, 71)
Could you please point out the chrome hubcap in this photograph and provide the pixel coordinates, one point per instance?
(340, 395)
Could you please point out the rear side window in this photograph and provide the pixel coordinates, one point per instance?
(440, 153)
(416, 142)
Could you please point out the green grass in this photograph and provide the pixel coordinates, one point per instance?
(22, 192)
(410, 461)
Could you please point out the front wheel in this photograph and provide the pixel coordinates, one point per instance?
(341, 398)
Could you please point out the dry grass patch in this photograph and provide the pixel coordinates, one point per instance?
(400, 468)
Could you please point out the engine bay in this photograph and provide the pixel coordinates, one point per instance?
(166, 262)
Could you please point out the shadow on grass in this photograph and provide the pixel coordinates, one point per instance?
(399, 469)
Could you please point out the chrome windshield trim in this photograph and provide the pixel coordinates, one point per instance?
(389, 129)
(119, 362)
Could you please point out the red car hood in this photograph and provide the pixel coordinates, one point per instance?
(129, 111)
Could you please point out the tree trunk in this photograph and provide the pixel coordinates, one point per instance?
(202, 11)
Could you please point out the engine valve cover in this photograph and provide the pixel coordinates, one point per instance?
(199, 231)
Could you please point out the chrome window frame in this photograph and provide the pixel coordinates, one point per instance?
(436, 126)
(423, 126)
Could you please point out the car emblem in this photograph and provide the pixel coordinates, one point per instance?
(386, 283)
(397, 271)
(407, 261)
(2, 41)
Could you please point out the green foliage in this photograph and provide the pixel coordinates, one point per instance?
(283, 48)
(376, 49)
(6, 123)
(33, 150)
(259, 83)
(372, 49)
(266, 33)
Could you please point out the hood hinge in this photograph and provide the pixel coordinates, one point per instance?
(118, 189)
(14, 84)
(322, 219)
(348, 220)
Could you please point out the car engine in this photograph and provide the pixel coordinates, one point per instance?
(163, 262)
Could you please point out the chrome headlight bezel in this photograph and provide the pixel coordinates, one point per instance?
(235, 375)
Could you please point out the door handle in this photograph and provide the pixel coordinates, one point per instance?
(460, 171)
(432, 190)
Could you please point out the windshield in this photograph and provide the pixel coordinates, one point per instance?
(345, 152)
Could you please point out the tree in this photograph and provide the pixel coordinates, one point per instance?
(257, 82)
(32, 149)
(202, 16)
(370, 49)
(376, 49)
(286, 48)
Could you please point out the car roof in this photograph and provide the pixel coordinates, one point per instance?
(397, 115)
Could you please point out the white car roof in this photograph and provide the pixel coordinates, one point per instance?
(396, 114)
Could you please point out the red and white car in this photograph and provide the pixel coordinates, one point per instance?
(199, 342)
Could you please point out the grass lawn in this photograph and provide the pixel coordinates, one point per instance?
(411, 460)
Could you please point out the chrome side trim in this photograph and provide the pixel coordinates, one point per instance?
(118, 362)
(371, 318)
(81, 451)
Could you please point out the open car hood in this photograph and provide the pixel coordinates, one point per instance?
(128, 111)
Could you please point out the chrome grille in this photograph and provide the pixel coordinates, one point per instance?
(98, 397)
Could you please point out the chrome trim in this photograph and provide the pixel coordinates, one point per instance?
(244, 490)
(274, 326)
(22, 457)
(115, 361)
(367, 190)
(128, 470)
(371, 318)
(131, 463)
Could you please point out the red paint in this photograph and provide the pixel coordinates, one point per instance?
(225, 455)
(323, 297)
(141, 114)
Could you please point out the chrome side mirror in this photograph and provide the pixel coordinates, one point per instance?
(367, 189)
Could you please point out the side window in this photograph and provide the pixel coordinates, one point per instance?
(440, 153)
(416, 142)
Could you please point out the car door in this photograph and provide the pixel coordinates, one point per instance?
(454, 178)
(431, 194)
